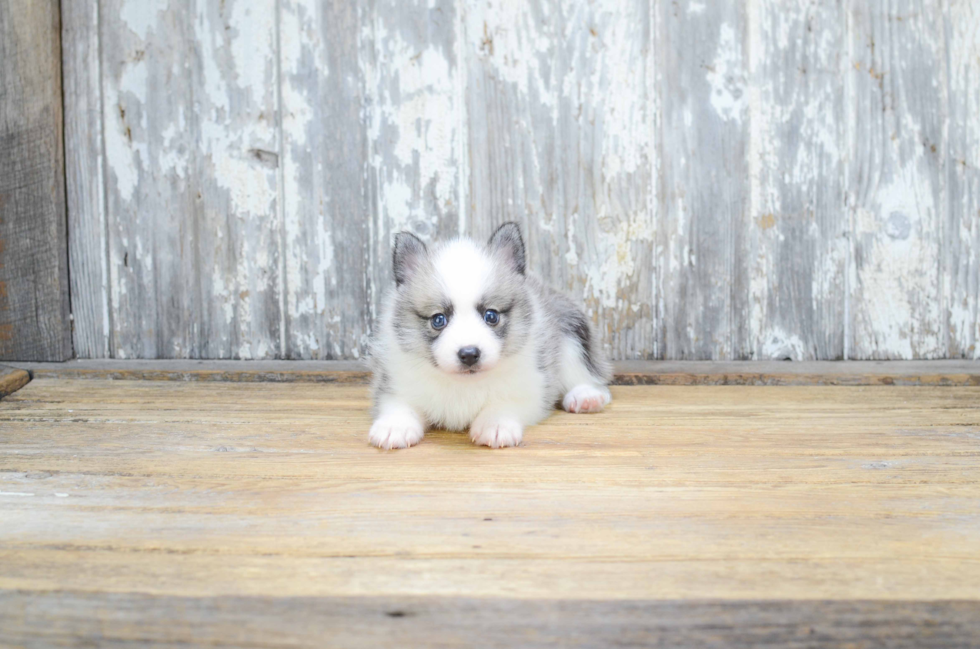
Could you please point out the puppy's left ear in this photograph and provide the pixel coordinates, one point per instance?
(507, 242)
(407, 255)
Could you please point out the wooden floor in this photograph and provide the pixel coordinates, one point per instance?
(151, 513)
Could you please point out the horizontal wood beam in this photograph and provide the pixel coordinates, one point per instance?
(139, 620)
(941, 373)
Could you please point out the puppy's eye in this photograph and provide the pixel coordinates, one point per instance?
(491, 317)
(438, 321)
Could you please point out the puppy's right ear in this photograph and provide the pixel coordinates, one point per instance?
(408, 253)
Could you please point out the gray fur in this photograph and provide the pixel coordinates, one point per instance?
(506, 244)
(406, 255)
(565, 320)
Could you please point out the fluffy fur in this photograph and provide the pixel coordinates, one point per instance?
(537, 352)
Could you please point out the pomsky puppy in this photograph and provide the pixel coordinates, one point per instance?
(468, 340)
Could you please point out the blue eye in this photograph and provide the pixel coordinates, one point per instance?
(438, 321)
(491, 317)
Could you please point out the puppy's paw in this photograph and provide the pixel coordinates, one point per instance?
(396, 430)
(496, 431)
(586, 398)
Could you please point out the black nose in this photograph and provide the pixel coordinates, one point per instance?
(469, 356)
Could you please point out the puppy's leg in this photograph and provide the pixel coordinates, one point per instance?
(584, 392)
(501, 423)
(585, 398)
(496, 428)
(397, 426)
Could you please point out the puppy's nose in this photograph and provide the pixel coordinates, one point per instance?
(468, 356)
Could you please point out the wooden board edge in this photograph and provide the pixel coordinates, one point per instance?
(12, 379)
(229, 375)
(136, 619)
(857, 373)
(962, 379)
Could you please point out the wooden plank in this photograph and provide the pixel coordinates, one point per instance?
(854, 373)
(327, 220)
(680, 515)
(896, 180)
(183, 370)
(349, 186)
(78, 619)
(704, 98)
(795, 234)
(34, 310)
(961, 257)
(191, 153)
(934, 373)
(84, 167)
(561, 109)
(416, 131)
(12, 379)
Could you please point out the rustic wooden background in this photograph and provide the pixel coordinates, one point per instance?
(764, 179)
(34, 308)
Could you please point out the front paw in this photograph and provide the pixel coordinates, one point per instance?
(496, 432)
(396, 431)
(586, 398)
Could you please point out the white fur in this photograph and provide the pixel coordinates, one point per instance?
(464, 272)
(397, 426)
(513, 386)
(586, 398)
(496, 430)
(497, 402)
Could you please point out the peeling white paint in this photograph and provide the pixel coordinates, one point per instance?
(141, 15)
(571, 90)
(518, 43)
(125, 148)
(962, 280)
(413, 133)
(616, 248)
(780, 345)
(727, 78)
(900, 306)
(251, 186)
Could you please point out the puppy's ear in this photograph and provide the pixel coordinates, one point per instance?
(507, 243)
(407, 254)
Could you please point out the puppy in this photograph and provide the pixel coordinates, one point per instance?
(468, 339)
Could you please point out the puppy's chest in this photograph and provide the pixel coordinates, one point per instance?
(455, 403)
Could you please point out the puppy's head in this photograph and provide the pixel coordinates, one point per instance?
(460, 306)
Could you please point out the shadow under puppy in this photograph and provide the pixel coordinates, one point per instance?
(467, 339)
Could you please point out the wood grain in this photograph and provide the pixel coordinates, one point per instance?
(77, 619)
(413, 78)
(729, 481)
(854, 373)
(326, 190)
(795, 230)
(201, 502)
(704, 122)
(897, 181)
(12, 379)
(85, 180)
(962, 234)
(757, 181)
(34, 308)
(191, 154)
(561, 111)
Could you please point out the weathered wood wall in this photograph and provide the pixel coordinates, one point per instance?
(34, 308)
(735, 180)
